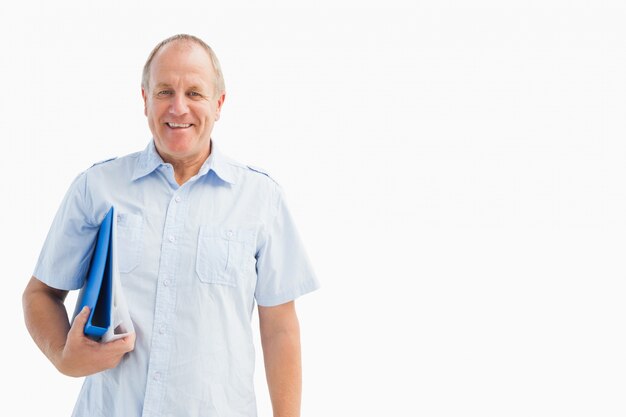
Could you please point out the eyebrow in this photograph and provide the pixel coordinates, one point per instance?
(161, 85)
(166, 85)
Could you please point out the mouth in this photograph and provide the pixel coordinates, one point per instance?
(178, 125)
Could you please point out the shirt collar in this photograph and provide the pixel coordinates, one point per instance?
(220, 164)
(149, 160)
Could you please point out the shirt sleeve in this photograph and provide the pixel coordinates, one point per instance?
(64, 258)
(284, 271)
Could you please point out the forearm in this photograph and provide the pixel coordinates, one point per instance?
(69, 350)
(47, 322)
(283, 369)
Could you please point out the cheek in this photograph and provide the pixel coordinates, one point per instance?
(156, 109)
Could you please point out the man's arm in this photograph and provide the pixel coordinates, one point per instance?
(280, 338)
(69, 350)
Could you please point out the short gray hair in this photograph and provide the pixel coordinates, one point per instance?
(219, 77)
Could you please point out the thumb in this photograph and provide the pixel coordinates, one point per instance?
(80, 320)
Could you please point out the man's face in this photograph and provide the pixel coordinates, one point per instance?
(181, 102)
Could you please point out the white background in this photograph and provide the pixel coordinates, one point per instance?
(456, 169)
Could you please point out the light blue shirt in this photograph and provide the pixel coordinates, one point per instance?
(193, 261)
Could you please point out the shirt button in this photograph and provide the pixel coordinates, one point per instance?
(171, 239)
(166, 282)
(162, 330)
(156, 376)
(177, 199)
(230, 233)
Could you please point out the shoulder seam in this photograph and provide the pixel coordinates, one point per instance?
(104, 161)
(262, 172)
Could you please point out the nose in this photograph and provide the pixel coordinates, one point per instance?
(178, 105)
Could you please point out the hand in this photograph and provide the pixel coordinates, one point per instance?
(82, 356)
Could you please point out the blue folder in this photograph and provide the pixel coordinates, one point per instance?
(97, 291)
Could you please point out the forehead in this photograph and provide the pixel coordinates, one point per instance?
(181, 61)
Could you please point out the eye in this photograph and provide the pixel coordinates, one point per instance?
(194, 94)
(165, 93)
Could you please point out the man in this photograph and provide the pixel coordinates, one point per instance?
(200, 239)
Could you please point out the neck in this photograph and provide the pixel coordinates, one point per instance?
(186, 168)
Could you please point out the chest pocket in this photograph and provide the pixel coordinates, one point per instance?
(129, 241)
(223, 255)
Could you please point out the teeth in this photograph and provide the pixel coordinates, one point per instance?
(179, 124)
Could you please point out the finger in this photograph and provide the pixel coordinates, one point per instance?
(130, 340)
(125, 344)
(80, 320)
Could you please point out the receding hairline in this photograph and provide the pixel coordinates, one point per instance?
(184, 40)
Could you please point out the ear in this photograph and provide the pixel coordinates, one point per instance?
(145, 101)
(218, 109)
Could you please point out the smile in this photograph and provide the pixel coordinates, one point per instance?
(178, 125)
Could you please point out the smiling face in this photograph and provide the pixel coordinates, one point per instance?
(182, 103)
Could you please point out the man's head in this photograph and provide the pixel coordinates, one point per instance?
(219, 77)
(183, 92)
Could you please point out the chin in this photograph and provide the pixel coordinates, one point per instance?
(177, 145)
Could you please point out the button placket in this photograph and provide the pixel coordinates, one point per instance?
(165, 303)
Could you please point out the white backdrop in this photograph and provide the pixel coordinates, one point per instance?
(456, 170)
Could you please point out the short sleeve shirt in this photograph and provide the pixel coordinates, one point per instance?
(193, 260)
